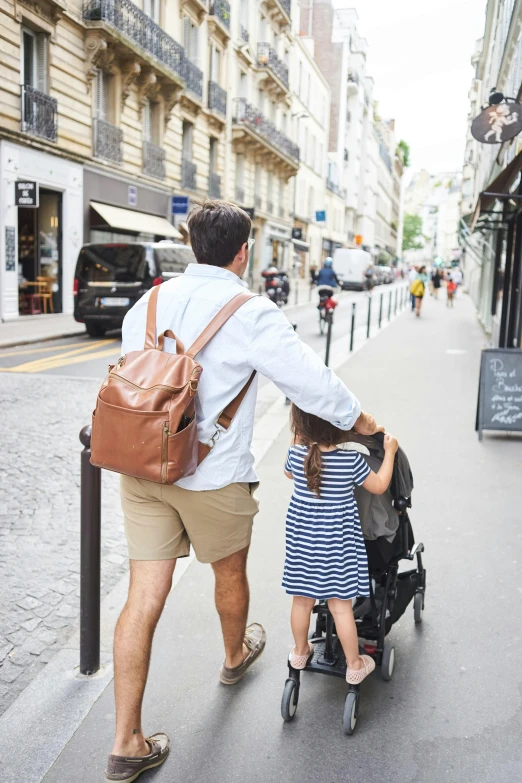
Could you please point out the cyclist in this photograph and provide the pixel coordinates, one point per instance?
(327, 276)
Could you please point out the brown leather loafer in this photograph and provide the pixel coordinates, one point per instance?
(125, 769)
(255, 640)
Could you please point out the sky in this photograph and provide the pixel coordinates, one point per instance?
(419, 57)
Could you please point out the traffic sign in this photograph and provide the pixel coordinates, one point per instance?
(179, 205)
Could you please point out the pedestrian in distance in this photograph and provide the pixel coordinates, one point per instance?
(457, 277)
(436, 279)
(451, 288)
(325, 551)
(412, 274)
(418, 288)
(212, 509)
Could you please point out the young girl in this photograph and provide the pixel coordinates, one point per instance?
(325, 552)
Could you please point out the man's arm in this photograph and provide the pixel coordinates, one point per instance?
(277, 352)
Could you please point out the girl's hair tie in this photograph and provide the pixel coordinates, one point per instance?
(314, 443)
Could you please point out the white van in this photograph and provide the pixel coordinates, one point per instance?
(350, 266)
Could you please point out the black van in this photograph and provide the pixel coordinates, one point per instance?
(110, 278)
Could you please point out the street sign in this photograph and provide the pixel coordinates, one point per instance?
(497, 123)
(179, 205)
(26, 193)
(250, 212)
(132, 196)
(320, 216)
(500, 391)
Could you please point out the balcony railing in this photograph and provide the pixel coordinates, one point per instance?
(194, 79)
(153, 160)
(107, 141)
(139, 28)
(240, 194)
(39, 113)
(245, 36)
(214, 185)
(286, 5)
(217, 98)
(267, 58)
(248, 115)
(188, 174)
(333, 187)
(221, 9)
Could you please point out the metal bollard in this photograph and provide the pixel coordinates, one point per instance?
(90, 544)
(389, 306)
(260, 290)
(395, 304)
(369, 317)
(354, 305)
(380, 311)
(287, 400)
(328, 338)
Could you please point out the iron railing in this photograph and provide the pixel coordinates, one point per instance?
(39, 113)
(139, 28)
(188, 174)
(153, 160)
(333, 187)
(240, 194)
(267, 58)
(221, 9)
(245, 36)
(107, 140)
(194, 79)
(286, 4)
(217, 98)
(214, 185)
(246, 114)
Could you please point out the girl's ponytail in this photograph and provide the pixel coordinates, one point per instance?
(313, 466)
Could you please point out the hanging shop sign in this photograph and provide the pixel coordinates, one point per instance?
(297, 233)
(499, 122)
(26, 193)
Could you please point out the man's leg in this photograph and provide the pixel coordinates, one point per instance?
(150, 583)
(232, 595)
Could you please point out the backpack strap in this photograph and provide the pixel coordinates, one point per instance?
(150, 329)
(217, 322)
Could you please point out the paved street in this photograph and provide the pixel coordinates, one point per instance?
(47, 392)
(452, 710)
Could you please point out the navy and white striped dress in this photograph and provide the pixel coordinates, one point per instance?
(325, 552)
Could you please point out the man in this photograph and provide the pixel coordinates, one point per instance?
(213, 509)
(457, 277)
(327, 275)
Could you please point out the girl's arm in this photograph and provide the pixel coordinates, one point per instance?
(378, 483)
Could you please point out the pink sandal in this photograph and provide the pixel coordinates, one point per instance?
(300, 661)
(356, 676)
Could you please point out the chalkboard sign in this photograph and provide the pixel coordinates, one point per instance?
(10, 249)
(500, 391)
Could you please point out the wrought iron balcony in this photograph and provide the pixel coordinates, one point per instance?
(131, 22)
(245, 36)
(240, 194)
(221, 9)
(248, 115)
(194, 79)
(188, 174)
(214, 185)
(267, 58)
(153, 160)
(107, 141)
(217, 98)
(39, 113)
(333, 187)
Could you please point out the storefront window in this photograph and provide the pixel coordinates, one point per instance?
(39, 256)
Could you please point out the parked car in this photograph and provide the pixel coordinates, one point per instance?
(379, 274)
(110, 278)
(350, 265)
(388, 274)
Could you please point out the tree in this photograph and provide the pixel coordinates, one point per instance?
(404, 150)
(412, 233)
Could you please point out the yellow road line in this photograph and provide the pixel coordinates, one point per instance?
(57, 361)
(49, 348)
(41, 364)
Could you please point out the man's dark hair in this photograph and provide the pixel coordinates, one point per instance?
(217, 232)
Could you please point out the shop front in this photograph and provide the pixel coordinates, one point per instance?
(275, 243)
(40, 231)
(301, 250)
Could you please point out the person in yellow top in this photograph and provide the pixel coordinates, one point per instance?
(418, 287)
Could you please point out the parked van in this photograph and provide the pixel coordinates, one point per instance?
(350, 266)
(110, 278)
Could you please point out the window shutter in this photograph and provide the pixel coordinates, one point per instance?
(41, 62)
(187, 36)
(194, 52)
(147, 121)
(101, 95)
(146, 7)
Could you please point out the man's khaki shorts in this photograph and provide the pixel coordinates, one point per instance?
(162, 521)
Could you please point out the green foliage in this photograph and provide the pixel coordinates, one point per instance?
(403, 150)
(412, 233)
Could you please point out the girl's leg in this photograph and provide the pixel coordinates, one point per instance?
(300, 622)
(346, 631)
(418, 302)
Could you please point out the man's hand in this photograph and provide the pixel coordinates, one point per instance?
(366, 425)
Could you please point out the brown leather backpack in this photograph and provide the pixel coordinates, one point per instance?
(144, 424)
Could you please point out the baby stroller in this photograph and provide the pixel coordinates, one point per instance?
(389, 539)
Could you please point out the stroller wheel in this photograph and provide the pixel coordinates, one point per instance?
(388, 661)
(351, 711)
(289, 700)
(418, 606)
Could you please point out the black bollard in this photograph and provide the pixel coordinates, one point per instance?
(395, 304)
(260, 289)
(287, 400)
(90, 543)
(389, 306)
(354, 305)
(369, 317)
(380, 311)
(329, 317)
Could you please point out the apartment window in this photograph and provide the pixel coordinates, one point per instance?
(244, 14)
(281, 198)
(215, 64)
(311, 202)
(186, 144)
(300, 85)
(240, 178)
(320, 162)
(270, 191)
(305, 144)
(213, 154)
(152, 9)
(151, 122)
(284, 123)
(346, 156)
(34, 59)
(191, 40)
(243, 85)
(262, 30)
(101, 95)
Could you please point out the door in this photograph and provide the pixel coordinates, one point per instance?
(50, 265)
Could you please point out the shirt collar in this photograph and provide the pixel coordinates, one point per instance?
(207, 270)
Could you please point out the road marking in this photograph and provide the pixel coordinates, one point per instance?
(71, 357)
(50, 348)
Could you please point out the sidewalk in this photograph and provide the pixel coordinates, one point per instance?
(452, 707)
(36, 328)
